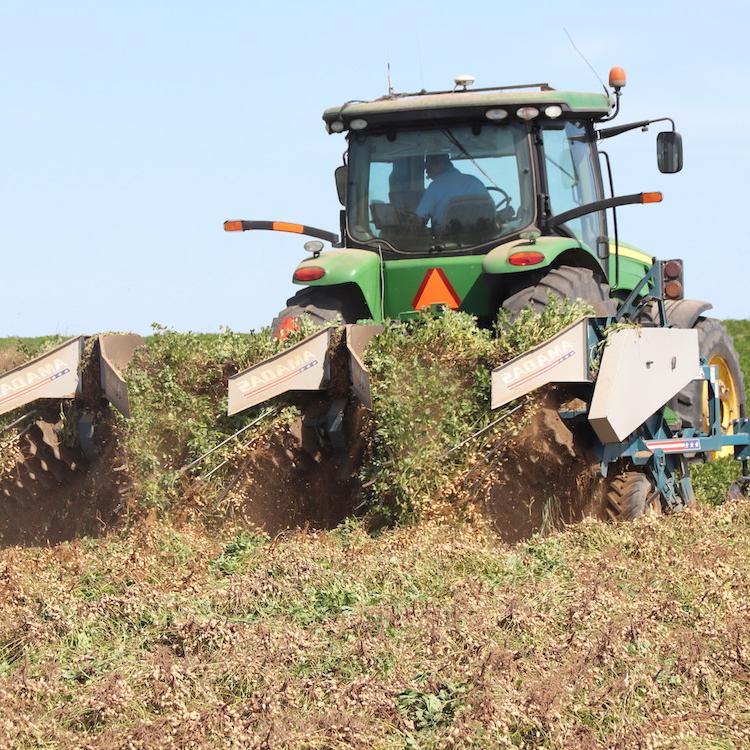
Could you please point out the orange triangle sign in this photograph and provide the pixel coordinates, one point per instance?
(435, 289)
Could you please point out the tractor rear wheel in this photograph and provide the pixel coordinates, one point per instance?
(632, 495)
(565, 282)
(691, 403)
(318, 305)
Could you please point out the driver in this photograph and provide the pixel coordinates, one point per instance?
(447, 184)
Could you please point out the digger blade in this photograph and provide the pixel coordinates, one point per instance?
(357, 339)
(116, 351)
(303, 367)
(49, 437)
(561, 359)
(53, 375)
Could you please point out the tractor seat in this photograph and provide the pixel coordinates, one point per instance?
(468, 220)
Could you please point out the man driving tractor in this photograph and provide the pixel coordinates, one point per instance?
(447, 185)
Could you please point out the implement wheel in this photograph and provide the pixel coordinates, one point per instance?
(691, 404)
(566, 282)
(631, 495)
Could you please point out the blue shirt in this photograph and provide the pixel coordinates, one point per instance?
(443, 190)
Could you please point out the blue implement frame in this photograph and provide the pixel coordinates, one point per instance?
(662, 451)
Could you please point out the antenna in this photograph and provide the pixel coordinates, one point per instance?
(390, 85)
(583, 57)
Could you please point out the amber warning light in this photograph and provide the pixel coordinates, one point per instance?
(654, 197)
(617, 78)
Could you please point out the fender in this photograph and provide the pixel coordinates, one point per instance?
(684, 313)
(633, 262)
(681, 313)
(349, 266)
(496, 260)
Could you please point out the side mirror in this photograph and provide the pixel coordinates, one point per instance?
(342, 174)
(669, 152)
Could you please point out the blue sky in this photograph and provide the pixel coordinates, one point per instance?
(130, 131)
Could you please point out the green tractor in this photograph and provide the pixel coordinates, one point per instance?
(485, 200)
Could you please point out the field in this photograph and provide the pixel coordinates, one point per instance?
(412, 625)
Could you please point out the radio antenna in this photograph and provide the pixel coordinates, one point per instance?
(388, 75)
(583, 57)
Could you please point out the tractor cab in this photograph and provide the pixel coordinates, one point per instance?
(460, 172)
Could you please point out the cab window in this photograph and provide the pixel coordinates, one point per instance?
(572, 178)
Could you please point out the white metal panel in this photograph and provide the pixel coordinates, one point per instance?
(357, 339)
(561, 359)
(53, 375)
(116, 350)
(641, 370)
(303, 367)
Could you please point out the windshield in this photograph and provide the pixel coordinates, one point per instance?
(440, 188)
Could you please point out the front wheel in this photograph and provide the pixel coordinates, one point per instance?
(632, 495)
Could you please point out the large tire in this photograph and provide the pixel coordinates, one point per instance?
(715, 344)
(631, 495)
(565, 282)
(316, 304)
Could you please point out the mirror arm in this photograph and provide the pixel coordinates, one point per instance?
(590, 208)
(282, 226)
(618, 129)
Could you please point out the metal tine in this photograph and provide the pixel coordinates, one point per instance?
(198, 460)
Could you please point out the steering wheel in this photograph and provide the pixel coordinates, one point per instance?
(503, 201)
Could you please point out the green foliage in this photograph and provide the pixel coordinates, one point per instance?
(177, 385)
(237, 553)
(711, 480)
(29, 348)
(431, 387)
(530, 328)
(325, 602)
(739, 330)
(428, 710)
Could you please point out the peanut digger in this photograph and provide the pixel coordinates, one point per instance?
(83, 371)
(494, 199)
(482, 200)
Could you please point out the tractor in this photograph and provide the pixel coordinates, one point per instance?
(493, 199)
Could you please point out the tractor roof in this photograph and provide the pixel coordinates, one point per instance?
(454, 105)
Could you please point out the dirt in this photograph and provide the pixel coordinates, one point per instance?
(540, 479)
(49, 496)
(291, 480)
(543, 478)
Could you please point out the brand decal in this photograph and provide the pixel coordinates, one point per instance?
(27, 382)
(268, 377)
(675, 445)
(532, 367)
